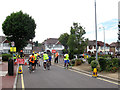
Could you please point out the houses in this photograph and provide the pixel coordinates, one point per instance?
(91, 47)
(115, 48)
(52, 44)
(5, 46)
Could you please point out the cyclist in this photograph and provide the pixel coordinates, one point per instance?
(50, 59)
(35, 60)
(66, 60)
(45, 59)
(32, 61)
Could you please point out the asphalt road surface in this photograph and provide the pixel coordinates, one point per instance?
(58, 77)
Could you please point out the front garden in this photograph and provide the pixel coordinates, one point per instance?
(104, 64)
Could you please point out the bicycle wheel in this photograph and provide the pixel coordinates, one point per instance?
(30, 68)
(48, 66)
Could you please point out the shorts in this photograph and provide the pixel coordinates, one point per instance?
(33, 64)
(65, 61)
(36, 61)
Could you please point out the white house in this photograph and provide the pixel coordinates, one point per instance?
(53, 44)
(5, 47)
(91, 47)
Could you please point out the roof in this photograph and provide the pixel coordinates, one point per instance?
(51, 41)
(99, 43)
(114, 44)
(2, 38)
(37, 49)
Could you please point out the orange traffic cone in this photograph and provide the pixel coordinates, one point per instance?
(15, 63)
(25, 63)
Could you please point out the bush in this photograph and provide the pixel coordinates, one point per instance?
(109, 65)
(115, 62)
(102, 62)
(114, 69)
(78, 62)
(90, 59)
(72, 62)
(94, 64)
(5, 57)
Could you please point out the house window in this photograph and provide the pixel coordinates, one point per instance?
(102, 47)
(6, 44)
(90, 47)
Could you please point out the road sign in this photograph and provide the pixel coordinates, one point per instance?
(12, 44)
(53, 51)
(20, 61)
(12, 49)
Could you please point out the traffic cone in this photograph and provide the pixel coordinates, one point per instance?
(25, 63)
(15, 63)
(94, 73)
(20, 70)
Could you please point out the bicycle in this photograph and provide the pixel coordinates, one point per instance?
(67, 65)
(48, 65)
(30, 68)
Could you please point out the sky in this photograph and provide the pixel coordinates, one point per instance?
(55, 17)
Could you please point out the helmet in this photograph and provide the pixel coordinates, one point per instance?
(44, 52)
(32, 53)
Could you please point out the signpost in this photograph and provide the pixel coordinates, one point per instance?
(53, 51)
(12, 49)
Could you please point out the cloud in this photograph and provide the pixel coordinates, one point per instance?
(111, 30)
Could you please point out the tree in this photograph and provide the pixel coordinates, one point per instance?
(64, 39)
(36, 44)
(76, 42)
(20, 28)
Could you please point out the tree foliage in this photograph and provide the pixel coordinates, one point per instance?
(76, 42)
(20, 28)
(64, 39)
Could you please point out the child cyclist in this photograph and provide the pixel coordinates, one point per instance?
(66, 60)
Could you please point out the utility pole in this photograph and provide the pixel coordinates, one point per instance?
(96, 32)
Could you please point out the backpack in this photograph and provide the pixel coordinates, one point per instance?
(32, 59)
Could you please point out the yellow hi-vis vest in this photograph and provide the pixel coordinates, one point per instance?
(45, 57)
(66, 57)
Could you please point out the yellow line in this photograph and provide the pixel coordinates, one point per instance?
(22, 81)
(91, 76)
(108, 81)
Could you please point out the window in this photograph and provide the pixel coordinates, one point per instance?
(6, 44)
(90, 47)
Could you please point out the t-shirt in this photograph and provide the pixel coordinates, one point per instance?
(49, 58)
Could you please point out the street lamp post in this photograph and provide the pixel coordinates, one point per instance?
(104, 39)
(96, 32)
(104, 36)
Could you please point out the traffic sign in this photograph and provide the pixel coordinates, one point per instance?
(12, 49)
(20, 61)
(12, 43)
(53, 51)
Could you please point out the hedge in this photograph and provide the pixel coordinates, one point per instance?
(5, 57)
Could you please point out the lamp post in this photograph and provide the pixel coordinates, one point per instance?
(104, 37)
(96, 31)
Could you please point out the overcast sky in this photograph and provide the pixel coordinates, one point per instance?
(54, 17)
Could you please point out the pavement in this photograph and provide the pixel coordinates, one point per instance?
(6, 81)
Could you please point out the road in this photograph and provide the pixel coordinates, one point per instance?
(58, 77)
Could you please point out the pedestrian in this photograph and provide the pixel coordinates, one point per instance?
(56, 57)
